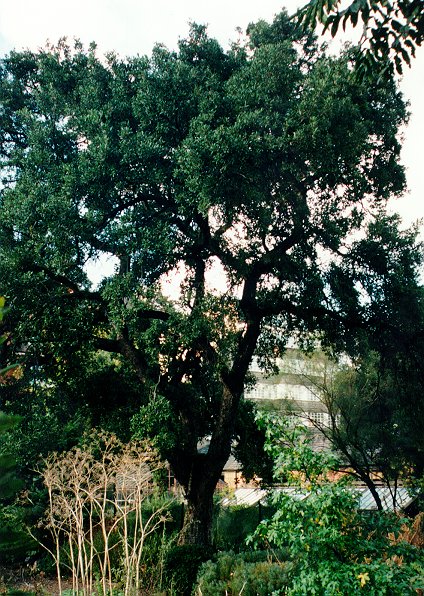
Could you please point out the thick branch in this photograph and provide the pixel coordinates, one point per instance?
(153, 314)
(108, 345)
(122, 345)
(73, 290)
(272, 258)
(83, 295)
(136, 200)
(133, 356)
(243, 357)
(282, 306)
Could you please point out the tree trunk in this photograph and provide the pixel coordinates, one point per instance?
(373, 490)
(199, 491)
(198, 516)
(203, 470)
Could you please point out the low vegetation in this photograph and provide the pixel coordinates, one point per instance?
(108, 529)
(101, 510)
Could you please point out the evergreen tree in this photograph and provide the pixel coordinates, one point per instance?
(267, 162)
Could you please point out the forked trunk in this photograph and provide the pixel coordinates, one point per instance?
(205, 470)
(199, 474)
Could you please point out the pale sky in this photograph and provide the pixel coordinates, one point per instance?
(131, 27)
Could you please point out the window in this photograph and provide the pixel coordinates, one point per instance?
(318, 418)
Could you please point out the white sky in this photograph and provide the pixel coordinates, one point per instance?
(131, 27)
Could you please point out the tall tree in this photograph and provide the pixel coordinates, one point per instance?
(262, 162)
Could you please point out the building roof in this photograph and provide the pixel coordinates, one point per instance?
(403, 498)
(252, 496)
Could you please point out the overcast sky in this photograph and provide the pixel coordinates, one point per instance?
(131, 27)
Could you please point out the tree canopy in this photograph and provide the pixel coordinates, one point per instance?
(267, 162)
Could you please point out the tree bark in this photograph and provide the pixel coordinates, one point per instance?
(198, 518)
(201, 477)
(206, 469)
(373, 490)
(204, 472)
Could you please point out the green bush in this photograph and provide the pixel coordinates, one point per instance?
(15, 543)
(336, 548)
(232, 525)
(250, 573)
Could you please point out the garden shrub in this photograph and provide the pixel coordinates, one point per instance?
(255, 573)
(15, 543)
(233, 524)
(335, 548)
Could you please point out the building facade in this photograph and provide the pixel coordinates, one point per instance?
(296, 390)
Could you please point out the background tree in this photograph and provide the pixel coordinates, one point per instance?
(263, 161)
(374, 400)
(364, 428)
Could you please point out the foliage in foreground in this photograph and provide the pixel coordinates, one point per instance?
(391, 30)
(335, 548)
(102, 508)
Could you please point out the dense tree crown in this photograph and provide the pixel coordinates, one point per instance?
(268, 161)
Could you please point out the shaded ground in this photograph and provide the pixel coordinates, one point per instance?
(23, 581)
(20, 582)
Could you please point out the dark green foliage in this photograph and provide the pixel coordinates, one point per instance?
(257, 573)
(10, 484)
(108, 394)
(15, 542)
(55, 412)
(334, 548)
(49, 422)
(249, 446)
(373, 427)
(375, 401)
(233, 524)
